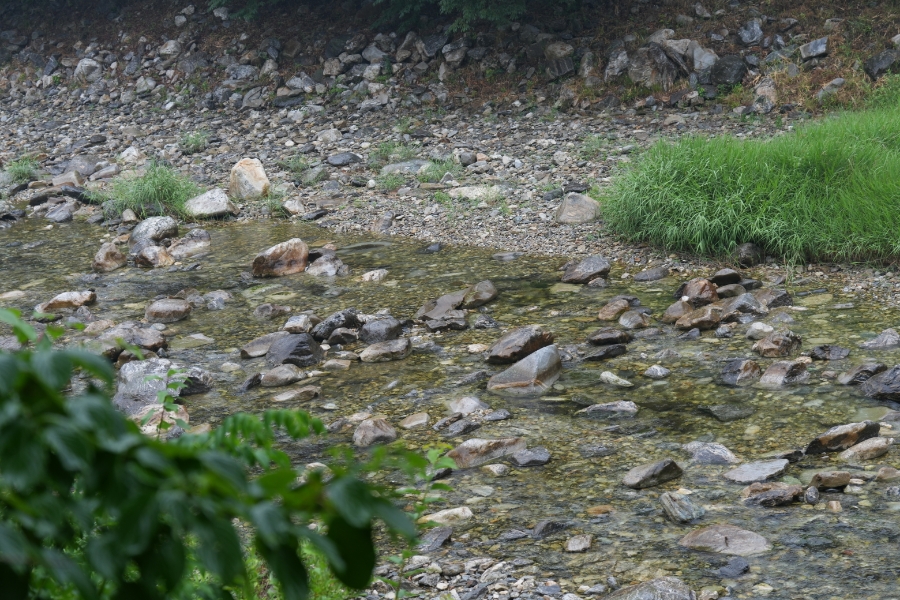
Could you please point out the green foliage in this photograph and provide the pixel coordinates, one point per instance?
(194, 142)
(390, 182)
(297, 165)
(887, 94)
(828, 191)
(435, 170)
(160, 190)
(22, 170)
(593, 147)
(388, 152)
(91, 508)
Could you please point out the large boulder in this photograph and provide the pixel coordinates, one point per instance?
(281, 259)
(88, 70)
(214, 203)
(155, 229)
(884, 62)
(884, 386)
(248, 180)
(296, 349)
(576, 209)
(699, 292)
(518, 344)
(586, 270)
(67, 300)
(531, 376)
(650, 66)
(729, 70)
(374, 431)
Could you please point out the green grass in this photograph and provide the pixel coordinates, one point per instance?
(22, 170)
(297, 165)
(160, 190)
(390, 182)
(389, 152)
(436, 169)
(194, 142)
(593, 146)
(828, 191)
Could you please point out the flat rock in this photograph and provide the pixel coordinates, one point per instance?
(884, 385)
(466, 405)
(518, 344)
(67, 300)
(651, 274)
(477, 451)
(842, 437)
(586, 270)
(726, 539)
(386, 351)
(211, 204)
(479, 294)
(609, 335)
(679, 508)
(261, 345)
(619, 408)
(635, 319)
(829, 352)
(168, 310)
(705, 317)
(612, 309)
(579, 543)
(710, 453)
(607, 352)
(784, 372)
(757, 471)
(415, 421)
(531, 376)
(530, 457)
(281, 375)
(298, 349)
(652, 474)
(725, 277)
(867, 450)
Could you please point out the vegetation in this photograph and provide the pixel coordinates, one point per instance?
(390, 182)
(388, 152)
(594, 147)
(92, 508)
(297, 165)
(22, 170)
(828, 191)
(160, 190)
(194, 142)
(435, 170)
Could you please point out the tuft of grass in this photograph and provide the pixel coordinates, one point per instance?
(436, 169)
(194, 142)
(390, 182)
(593, 146)
(887, 94)
(160, 190)
(297, 165)
(22, 170)
(828, 191)
(389, 152)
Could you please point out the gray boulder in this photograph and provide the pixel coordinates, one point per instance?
(531, 376)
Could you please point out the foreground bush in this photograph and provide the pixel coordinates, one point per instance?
(828, 191)
(91, 508)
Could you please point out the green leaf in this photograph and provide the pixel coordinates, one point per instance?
(355, 546)
(287, 568)
(22, 457)
(53, 368)
(70, 446)
(94, 364)
(352, 499)
(65, 570)
(219, 549)
(396, 520)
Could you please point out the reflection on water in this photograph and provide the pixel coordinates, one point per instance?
(817, 554)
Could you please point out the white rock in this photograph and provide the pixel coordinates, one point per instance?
(214, 203)
(758, 331)
(612, 379)
(248, 180)
(450, 516)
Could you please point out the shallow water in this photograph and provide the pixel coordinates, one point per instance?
(816, 554)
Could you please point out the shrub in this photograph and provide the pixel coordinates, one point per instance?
(194, 142)
(22, 170)
(92, 508)
(828, 191)
(297, 165)
(160, 190)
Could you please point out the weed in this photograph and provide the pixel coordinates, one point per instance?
(160, 190)
(594, 146)
(390, 182)
(828, 191)
(194, 142)
(404, 125)
(274, 202)
(297, 165)
(22, 170)
(436, 169)
(388, 152)
(887, 94)
(443, 198)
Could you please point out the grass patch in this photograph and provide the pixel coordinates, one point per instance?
(160, 190)
(297, 165)
(828, 191)
(194, 142)
(390, 182)
(436, 169)
(593, 146)
(22, 170)
(390, 152)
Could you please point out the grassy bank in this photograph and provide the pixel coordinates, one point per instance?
(828, 191)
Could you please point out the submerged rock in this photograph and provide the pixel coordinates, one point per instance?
(828, 352)
(662, 588)
(261, 345)
(476, 451)
(740, 372)
(726, 539)
(612, 309)
(609, 335)
(587, 270)
(281, 259)
(843, 437)
(619, 408)
(785, 372)
(884, 386)
(867, 450)
(168, 310)
(653, 474)
(531, 376)
(889, 338)
(709, 453)
(679, 508)
(298, 349)
(757, 471)
(386, 351)
(861, 373)
(108, 258)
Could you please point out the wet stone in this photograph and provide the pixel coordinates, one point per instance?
(826, 480)
(609, 335)
(634, 319)
(415, 420)
(772, 494)
(785, 372)
(706, 317)
(518, 344)
(731, 291)
(479, 294)
(662, 588)
(607, 352)
(579, 543)
(261, 345)
(680, 508)
(699, 292)
(386, 351)
(651, 274)
(740, 372)
(735, 567)
(710, 453)
(811, 495)
(286, 258)
(756, 471)
(531, 457)
(547, 527)
(531, 376)
(612, 309)
(281, 375)
(726, 539)
(168, 310)
(467, 405)
(657, 372)
(475, 452)
(866, 450)
(887, 339)
(676, 311)
(729, 412)
(861, 373)
(884, 385)
(374, 431)
(758, 331)
(497, 415)
(777, 344)
(348, 318)
(298, 349)
(461, 427)
(617, 409)
(828, 352)
(652, 474)
(842, 437)
(586, 270)
(725, 277)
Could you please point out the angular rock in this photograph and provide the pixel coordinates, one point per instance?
(651, 274)
(479, 294)
(699, 292)
(607, 352)
(612, 309)
(281, 259)
(260, 346)
(828, 352)
(609, 335)
(586, 270)
(380, 330)
(842, 437)
(467, 405)
(386, 351)
(298, 349)
(576, 209)
(374, 431)
(784, 372)
(884, 385)
(327, 266)
(708, 453)
(635, 319)
(758, 330)
(139, 381)
(281, 375)
(476, 451)
(531, 457)
(773, 298)
(676, 311)
(415, 421)
(777, 344)
(518, 344)
(248, 180)
(726, 539)
(750, 33)
(730, 70)
(740, 372)
(705, 317)
(662, 588)
(195, 243)
(771, 494)
(653, 474)
(679, 508)
(67, 300)
(579, 543)
(757, 471)
(887, 339)
(154, 229)
(884, 62)
(168, 310)
(211, 204)
(650, 66)
(531, 376)
(814, 48)
(613, 379)
(725, 277)
(657, 372)
(153, 257)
